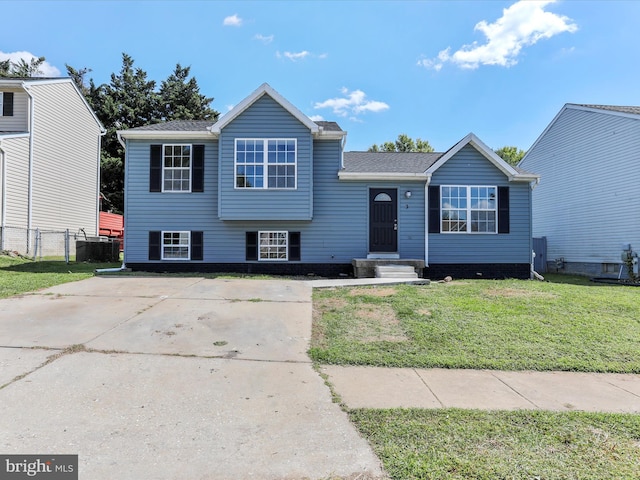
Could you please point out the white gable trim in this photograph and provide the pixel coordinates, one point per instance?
(573, 106)
(485, 151)
(264, 89)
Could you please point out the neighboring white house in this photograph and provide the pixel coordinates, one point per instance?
(588, 202)
(49, 160)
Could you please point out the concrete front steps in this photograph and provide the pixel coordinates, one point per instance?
(395, 271)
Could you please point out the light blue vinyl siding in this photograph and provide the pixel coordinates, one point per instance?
(338, 233)
(155, 211)
(469, 167)
(266, 119)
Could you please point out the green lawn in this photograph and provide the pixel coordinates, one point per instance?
(19, 275)
(566, 324)
(464, 444)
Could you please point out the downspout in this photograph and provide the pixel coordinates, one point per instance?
(3, 211)
(342, 144)
(426, 221)
(30, 181)
(102, 133)
(534, 274)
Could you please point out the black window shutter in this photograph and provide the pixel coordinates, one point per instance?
(294, 246)
(155, 169)
(197, 170)
(196, 246)
(434, 209)
(7, 104)
(252, 246)
(155, 245)
(503, 209)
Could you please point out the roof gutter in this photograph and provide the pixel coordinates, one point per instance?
(400, 176)
(31, 160)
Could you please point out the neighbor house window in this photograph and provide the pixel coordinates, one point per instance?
(176, 170)
(273, 245)
(265, 163)
(466, 209)
(176, 245)
(6, 104)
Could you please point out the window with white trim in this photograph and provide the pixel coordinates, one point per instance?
(176, 168)
(176, 245)
(265, 163)
(273, 246)
(468, 209)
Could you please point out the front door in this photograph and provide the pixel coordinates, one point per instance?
(383, 220)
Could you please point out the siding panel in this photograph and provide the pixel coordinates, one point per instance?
(266, 119)
(588, 200)
(469, 167)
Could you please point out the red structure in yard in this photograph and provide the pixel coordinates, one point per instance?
(112, 226)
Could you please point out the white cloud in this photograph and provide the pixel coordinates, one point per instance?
(295, 56)
(522, 24)
(232, 21)
(46, 69)
(266, 39)
(317, 118)
(352, 104)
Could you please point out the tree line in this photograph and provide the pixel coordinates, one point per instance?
(131, 100)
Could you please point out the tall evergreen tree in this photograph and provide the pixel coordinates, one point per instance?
(180, 98)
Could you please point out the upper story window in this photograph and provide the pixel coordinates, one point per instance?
(176, 169)
(466, 209)
(265, 163)
(6, 104)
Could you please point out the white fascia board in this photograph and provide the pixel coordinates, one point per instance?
(264, 89)
(382, 176)
(4, 136)
(471, 139)
(160, 134)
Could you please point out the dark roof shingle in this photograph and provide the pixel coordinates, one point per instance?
(178, 126)
(389, 162)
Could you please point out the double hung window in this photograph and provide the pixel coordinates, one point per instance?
(265, 163)
(176, 170)
(467, 209)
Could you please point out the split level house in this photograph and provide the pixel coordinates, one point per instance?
(588, 204)
(266, 189)
(49, 160)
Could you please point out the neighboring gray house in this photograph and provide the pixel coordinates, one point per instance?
(49, 160)
(266, 189)
(588, 203)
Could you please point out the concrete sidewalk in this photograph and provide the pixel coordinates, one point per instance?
(374, 387)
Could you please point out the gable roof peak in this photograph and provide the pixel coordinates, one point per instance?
(264, 89)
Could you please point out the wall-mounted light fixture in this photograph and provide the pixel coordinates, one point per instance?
(407, 194)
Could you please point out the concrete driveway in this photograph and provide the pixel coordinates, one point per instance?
(172, 378)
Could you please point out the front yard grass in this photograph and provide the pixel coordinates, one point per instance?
(18, 275)
(470, 444)
(566, 324)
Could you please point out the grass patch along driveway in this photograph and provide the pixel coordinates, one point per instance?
(18, 275)
(467, 444)
(482, 324)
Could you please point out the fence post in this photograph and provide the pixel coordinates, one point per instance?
(35, 250)
(66, 246)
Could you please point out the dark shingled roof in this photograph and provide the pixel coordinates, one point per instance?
(329, 126)
(615, 108)
(389, 162)
(202, 125)
(178, 126)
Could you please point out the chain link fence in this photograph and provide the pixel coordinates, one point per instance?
(36, 243)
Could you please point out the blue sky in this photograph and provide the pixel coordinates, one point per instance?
(436, 70)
